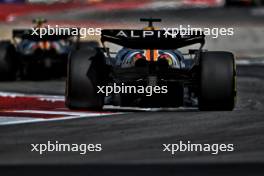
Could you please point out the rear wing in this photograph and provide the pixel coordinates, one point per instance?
(31, 35)
(151, 39)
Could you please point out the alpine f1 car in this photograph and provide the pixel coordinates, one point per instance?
(33, 56)
(150, 60)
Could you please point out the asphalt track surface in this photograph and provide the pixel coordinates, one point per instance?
(136, 137)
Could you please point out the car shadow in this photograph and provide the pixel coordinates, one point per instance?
(139, 109)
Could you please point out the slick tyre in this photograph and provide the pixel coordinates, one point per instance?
(217, 81)
(7, 61)
(86, 70)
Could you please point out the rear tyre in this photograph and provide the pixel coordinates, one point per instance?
(86, 71)
(8, 66)
(217, 81)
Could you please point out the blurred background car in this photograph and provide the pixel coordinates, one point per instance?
(32, 56)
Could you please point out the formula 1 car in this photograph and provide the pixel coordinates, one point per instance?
(150, 59)
(31, 56)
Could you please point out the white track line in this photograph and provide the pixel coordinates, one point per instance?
(35, 120)
(8, 120)
(55, 112)
(40, 96)
(12, 120)
(250, 62)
